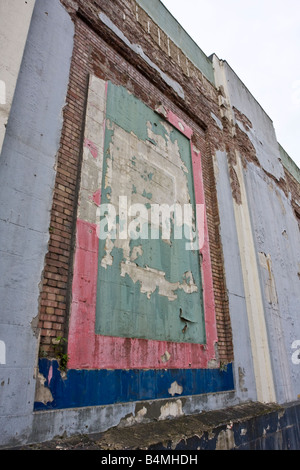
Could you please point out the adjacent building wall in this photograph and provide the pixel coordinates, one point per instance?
(265, 200)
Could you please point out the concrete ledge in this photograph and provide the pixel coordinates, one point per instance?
(250, 426)
(247, 426)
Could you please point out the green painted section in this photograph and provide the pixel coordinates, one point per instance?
(289, 164)
(132, 115)
(166, 21)
(122, 310)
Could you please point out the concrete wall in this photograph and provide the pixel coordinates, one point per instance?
(15, 18)
(268, 237)
(243, 364)
(27, 172)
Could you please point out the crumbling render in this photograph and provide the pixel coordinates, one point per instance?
(270, 286)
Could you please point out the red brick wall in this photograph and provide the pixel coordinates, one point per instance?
(98, 51)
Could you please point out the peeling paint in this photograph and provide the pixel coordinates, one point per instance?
(270, 286)
(175, 389)
(151, 279)
(225, 440)
(136, 252)
(43, 393)
(50, 374)
(171, 410)
(107, 260)
(165, 357)
(138, 418)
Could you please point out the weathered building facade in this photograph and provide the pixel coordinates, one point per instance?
(149, 229)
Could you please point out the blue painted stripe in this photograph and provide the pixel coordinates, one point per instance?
(83, 388)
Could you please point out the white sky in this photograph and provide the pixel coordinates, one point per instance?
(260, 40)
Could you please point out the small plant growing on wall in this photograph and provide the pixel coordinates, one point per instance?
(223, 367)
(59, 344)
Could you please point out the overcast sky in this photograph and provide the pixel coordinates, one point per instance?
(260, 40)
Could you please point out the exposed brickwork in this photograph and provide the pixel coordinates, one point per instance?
(57, 272)
(97, 50)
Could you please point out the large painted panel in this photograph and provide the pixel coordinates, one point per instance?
(150, 156)
(142, 321)
(149, 279)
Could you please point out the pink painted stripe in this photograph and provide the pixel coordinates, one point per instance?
(208, 290)
(179, 124)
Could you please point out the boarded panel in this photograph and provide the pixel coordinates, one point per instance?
(149, 285)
